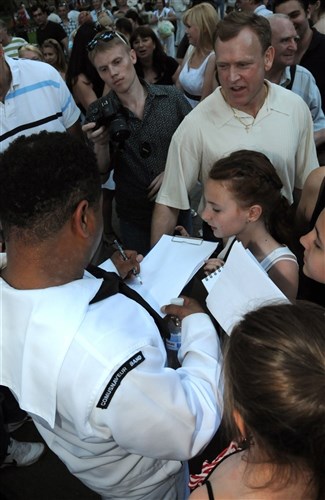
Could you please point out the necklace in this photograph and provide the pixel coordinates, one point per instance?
(247, 126)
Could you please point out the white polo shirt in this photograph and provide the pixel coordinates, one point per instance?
(282, 130)
(38, 99)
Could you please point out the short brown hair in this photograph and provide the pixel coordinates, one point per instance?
(235, 22)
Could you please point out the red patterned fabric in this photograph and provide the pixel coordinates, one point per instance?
(207, 467)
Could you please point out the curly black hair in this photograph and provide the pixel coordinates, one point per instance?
(43, 177)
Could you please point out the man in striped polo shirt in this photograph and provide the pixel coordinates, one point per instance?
(33, 97)
(11, 44)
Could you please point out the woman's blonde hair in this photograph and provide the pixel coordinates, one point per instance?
(30, 48)
(205, 17)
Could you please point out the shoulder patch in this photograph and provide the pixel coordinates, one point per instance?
(117, 378)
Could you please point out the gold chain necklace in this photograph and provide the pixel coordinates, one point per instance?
(247, 126)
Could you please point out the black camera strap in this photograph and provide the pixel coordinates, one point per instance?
(113, 284)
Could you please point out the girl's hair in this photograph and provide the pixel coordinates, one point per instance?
(60, 64)
(275, 378)
(159, 57)
(205, 17)
(30, 48)
(252, 179)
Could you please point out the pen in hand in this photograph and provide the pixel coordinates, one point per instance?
(124, 257)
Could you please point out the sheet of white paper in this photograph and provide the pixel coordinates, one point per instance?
(168, 267)
(241, 286)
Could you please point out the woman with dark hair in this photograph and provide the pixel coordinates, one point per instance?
(310, 232)
(243, 199)
(274, 406)
(314, 254)
(153, 65)
(82, 78)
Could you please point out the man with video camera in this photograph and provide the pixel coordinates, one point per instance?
(131, 129)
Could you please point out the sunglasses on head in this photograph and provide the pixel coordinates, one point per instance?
(104, 37)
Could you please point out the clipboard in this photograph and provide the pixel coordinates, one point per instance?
(169, 266)
(188, 240)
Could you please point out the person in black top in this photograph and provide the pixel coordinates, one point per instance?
(81, 77)
(153, 65)
(47, 29)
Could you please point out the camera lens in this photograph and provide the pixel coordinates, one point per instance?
(119, 130)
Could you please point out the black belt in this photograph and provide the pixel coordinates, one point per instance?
(190, 96)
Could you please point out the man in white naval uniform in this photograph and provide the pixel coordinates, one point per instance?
(93, 375)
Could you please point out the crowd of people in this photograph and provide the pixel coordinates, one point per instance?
(141, 103)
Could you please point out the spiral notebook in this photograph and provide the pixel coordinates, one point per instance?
(238, 287)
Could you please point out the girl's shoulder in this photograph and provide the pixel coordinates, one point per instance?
(282, 252)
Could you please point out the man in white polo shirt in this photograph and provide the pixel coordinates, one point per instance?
(245, 112)
(33, 97)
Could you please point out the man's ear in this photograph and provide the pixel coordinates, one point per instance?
(254, 213)
(269, 58)
(133, 56)
(80, 219)
(309, 10)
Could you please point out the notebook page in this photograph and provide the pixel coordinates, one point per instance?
(241, 287)
(168, 267)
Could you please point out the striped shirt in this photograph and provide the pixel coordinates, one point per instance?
(11, 50)
(38, 99)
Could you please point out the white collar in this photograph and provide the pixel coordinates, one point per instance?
(47, 323)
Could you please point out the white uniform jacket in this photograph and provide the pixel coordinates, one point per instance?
(94, 380)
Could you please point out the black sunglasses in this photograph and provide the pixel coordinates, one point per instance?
(107, 36)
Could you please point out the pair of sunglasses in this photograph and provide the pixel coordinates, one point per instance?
(107, 36)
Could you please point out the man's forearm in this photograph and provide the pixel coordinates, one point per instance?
(76, 131)
(319, 137)
(164, 220)
(103, 160)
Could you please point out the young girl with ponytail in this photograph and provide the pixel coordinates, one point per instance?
(243, 199)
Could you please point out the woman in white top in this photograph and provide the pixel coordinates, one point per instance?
(243, 199)
(197, 76)
(163, 13)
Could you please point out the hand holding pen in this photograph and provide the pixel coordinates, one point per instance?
(126, 258)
